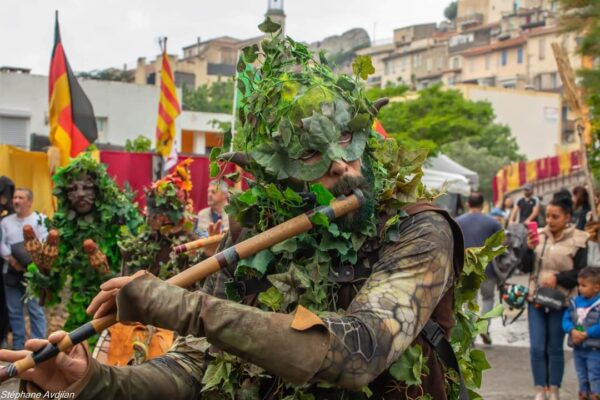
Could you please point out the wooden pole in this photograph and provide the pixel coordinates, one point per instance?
(583, 129)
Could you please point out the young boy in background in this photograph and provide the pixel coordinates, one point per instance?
(582, 323)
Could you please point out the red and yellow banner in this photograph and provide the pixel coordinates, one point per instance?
(72, 121)
(168, 109)
(514, 175)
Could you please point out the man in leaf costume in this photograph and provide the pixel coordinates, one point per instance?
(328, 314)
(90, 206)
(169, 222)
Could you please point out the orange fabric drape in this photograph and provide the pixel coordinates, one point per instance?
(512, 178)
(531, 171)
(29, 169)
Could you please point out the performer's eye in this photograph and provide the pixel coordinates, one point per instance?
(345, 138)
(310, 155)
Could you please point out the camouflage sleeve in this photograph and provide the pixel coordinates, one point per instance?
(350, 351)
(393, 305)
(176, 375)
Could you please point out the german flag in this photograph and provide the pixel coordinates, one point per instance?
(168, 109)
(72, 122)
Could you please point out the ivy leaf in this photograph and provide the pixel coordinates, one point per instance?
(320, 219)
(214, 169)
(247, 197)
(330, 243)
(362, 66)
(255, 265)
(272, 298)
(410, 366)
(324, 196)
(273, 193)
(250, 53)
(288, 285)
(494, 312)
(361, 122)
(292, 196)
(334, 230)
(287, 246)
(215, 153)
(268, 26)
(216, 372)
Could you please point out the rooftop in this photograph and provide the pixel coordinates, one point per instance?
(488, 48)
(217, 39)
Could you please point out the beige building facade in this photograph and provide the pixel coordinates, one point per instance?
(378, 55)
(202, 64)
(205, 62)
(497, 64)
(474, 12)
(534, 117)
(418, 57)
(542, 70)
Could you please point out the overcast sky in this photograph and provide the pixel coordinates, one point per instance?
(109, 33)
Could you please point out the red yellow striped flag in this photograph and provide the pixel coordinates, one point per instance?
(72, 121)
(168, 110)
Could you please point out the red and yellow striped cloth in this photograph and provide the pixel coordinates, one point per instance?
(512, 176)
(168, 109)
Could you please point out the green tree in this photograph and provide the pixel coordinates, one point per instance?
(443, 120)
(498, 140)
(451, 11)
(217, 97)
(138, 145)
(389, 91)
(440, 116)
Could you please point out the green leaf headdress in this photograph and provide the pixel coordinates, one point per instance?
(293, 106)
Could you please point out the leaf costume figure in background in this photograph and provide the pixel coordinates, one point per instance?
(328, 314)
(90, 206)
(169, 222)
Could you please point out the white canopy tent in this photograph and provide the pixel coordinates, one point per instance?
(442, 162)
(446, 181)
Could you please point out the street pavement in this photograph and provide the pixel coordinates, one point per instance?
(510, 376)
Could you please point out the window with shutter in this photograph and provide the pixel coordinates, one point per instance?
(13, 131)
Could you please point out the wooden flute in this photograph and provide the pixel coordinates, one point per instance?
(196, 244)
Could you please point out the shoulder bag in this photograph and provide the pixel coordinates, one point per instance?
(545, 296)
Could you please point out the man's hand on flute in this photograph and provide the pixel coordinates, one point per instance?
(213, 229)
(56, 374)
(105, 302)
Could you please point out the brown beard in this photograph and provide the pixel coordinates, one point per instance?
(354, 221)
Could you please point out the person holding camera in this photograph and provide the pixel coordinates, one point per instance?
(560, 253)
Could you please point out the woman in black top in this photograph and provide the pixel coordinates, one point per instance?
(581, 200)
